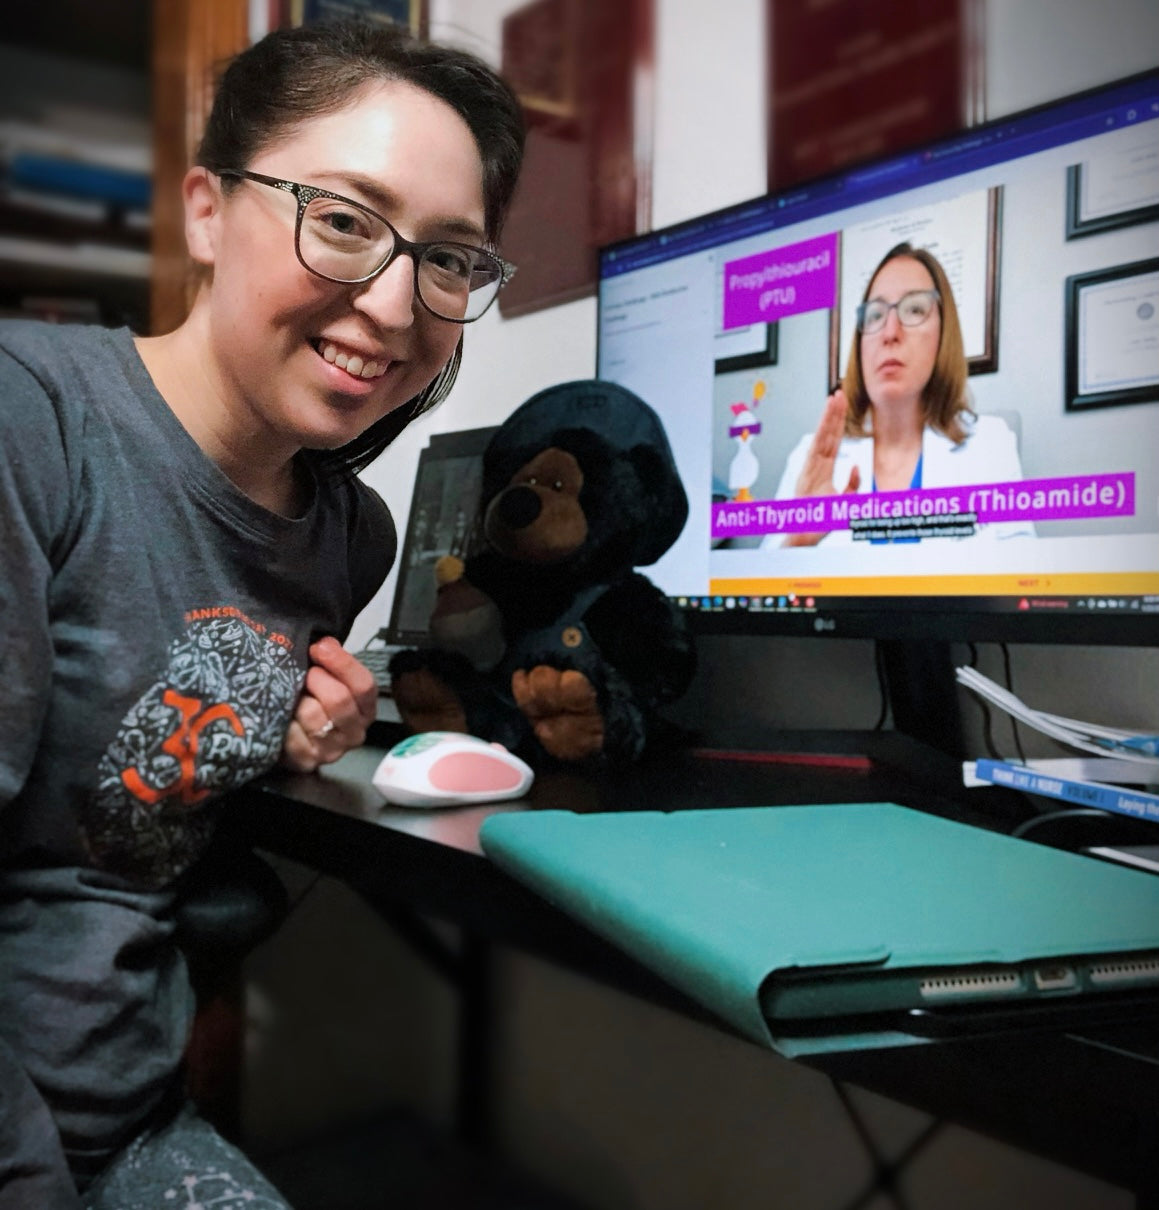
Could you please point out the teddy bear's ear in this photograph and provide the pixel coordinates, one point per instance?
(666, 501)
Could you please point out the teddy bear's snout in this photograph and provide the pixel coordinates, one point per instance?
(518, 507)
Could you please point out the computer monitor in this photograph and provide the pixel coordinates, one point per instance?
(736, 325)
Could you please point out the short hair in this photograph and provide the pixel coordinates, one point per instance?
(944, 398)
(295, 74)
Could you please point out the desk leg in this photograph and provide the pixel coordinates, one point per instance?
(467, 967)
(1147, 1178)
(884, 1184)
(1146, 1115)
(473, 1101)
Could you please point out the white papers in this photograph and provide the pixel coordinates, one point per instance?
(1134, 746)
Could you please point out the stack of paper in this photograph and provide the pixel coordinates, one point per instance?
(1124, 761)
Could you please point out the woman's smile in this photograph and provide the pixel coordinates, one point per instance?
(355, 363)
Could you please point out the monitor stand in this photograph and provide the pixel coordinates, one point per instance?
(923, 693)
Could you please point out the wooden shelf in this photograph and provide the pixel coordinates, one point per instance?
(191, 40)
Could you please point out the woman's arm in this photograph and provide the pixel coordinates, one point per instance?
(35, 490)
(340, 696)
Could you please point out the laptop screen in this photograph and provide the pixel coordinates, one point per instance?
(442, 521)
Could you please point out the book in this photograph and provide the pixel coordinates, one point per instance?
(78, 179)
(1082, 768)
(1103, 795)
(103, 140)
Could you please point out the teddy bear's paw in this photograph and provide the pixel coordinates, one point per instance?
(562, 709)
(426, 703)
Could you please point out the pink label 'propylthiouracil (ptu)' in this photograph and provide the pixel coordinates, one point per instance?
(783, 281)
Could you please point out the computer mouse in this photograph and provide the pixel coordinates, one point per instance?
(447, 768)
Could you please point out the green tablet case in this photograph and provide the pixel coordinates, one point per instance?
(719, 902)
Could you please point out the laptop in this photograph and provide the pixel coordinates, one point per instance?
(822, 927)
(443, 519)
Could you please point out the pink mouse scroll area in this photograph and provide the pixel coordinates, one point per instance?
(474, 773)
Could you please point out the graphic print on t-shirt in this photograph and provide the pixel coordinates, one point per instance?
(215, 719)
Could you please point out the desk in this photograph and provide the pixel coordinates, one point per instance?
(1090, 1102)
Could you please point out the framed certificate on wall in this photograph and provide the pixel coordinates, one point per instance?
(1114, 189)
(1112, 336)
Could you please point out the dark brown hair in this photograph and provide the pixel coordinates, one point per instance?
(296, 74)
(944, 400)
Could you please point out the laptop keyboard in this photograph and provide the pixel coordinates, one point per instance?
(377, 660)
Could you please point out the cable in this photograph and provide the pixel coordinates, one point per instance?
(1028, 825)
(1010, 685)
(882, 686)
(988, 736)
(987, 717)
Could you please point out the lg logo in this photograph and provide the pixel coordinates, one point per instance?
(822, 624)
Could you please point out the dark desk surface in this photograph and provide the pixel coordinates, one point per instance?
(1090, 1101)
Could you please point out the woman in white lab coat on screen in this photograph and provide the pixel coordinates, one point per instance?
(901, 418)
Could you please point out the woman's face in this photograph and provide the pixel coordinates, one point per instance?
(276, 328)
(897, 361)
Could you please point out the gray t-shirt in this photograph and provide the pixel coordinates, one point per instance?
(154, 626)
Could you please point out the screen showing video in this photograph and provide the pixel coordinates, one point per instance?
(930, 382)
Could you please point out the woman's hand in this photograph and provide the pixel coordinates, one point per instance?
(337, 705)
(816, 477)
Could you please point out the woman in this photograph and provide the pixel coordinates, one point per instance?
(186, 545)
(901, 419)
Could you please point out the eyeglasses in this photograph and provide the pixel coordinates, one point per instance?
(344, 241)
(913, 309)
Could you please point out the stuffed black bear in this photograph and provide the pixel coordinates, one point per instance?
(546, 639)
